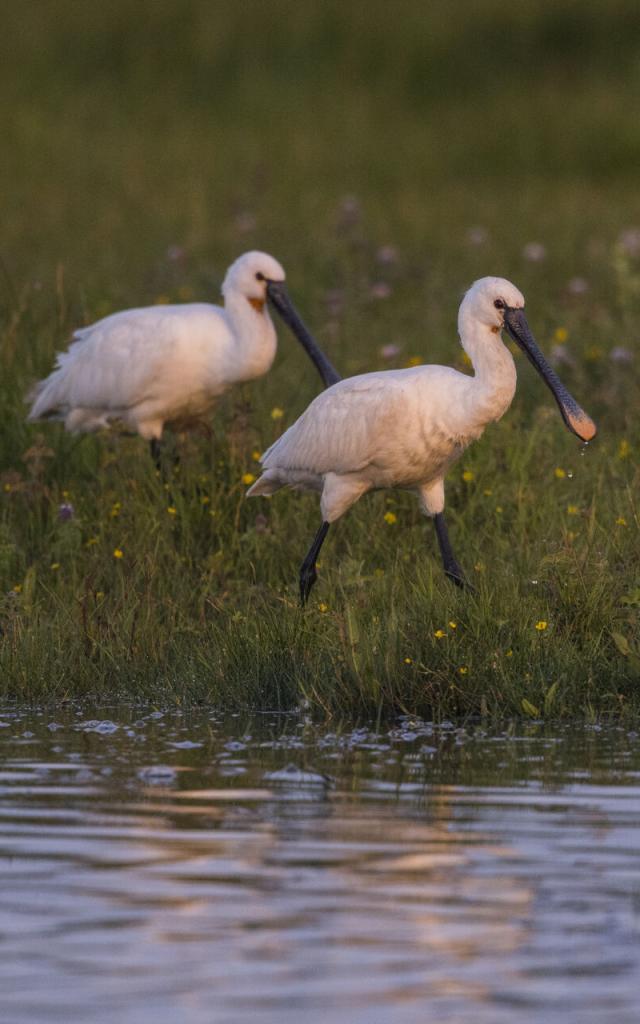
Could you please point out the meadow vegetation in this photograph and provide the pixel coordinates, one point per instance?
(388, 155)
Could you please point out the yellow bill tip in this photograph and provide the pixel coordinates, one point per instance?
(582, 425)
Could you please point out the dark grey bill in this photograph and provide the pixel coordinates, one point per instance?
(279, 297)
(573, 415)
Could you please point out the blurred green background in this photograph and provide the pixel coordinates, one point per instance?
(129, 127)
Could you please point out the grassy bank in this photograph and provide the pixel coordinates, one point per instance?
(387, 164)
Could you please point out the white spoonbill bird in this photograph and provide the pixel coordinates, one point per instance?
(405, 428)
(146, 367)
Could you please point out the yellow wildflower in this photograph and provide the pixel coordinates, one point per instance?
(463, 670)
(99, 594)
(509, 654)
(172, 510)
(322, 607)
(621, 521)
(277, 413)
(17, 589)
(559, 473)
(414, 361)
(468, 476)
(115, 509)
(118, 553)
(205, 499)
(408, 661)
(90, 542)
(248, 478)
(453, 625)
(390, 518)
(7, 488)
(487, 492)
(54, 566)
(439, 633)
(255, 455)
(541, 626)
(572, 510)
(560, 335)
(623, 451)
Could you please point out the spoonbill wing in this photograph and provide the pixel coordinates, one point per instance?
(121, 360)
(359, 420)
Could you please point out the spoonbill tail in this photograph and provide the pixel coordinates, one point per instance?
(146, 367)
(405, 428)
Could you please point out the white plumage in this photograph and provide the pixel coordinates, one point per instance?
(146, 367)
(404, 428)
(396, 428)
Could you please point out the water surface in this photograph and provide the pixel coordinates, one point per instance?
(166, 867)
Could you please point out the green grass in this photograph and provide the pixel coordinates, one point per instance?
(323, 133)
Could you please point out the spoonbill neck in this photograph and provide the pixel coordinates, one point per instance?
(253, 348)
(494, 369)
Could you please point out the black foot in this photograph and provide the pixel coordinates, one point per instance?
(456, 575)
(451, 568)
(307, 579)
(308, 574)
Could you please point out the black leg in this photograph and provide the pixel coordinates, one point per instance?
(158, 452)
(308, 574)
(155, 446)
(451, 567)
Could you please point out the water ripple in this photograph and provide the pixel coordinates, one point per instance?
(468, 877)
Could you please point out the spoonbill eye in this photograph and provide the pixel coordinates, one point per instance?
(499, 303)
(260, 276)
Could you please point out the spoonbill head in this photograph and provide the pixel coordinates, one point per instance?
(168, 363)
(479, 305)
(250, 275)
(405, 428)
(259, 277)
(498, 304)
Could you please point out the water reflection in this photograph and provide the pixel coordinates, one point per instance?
(184, 867)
